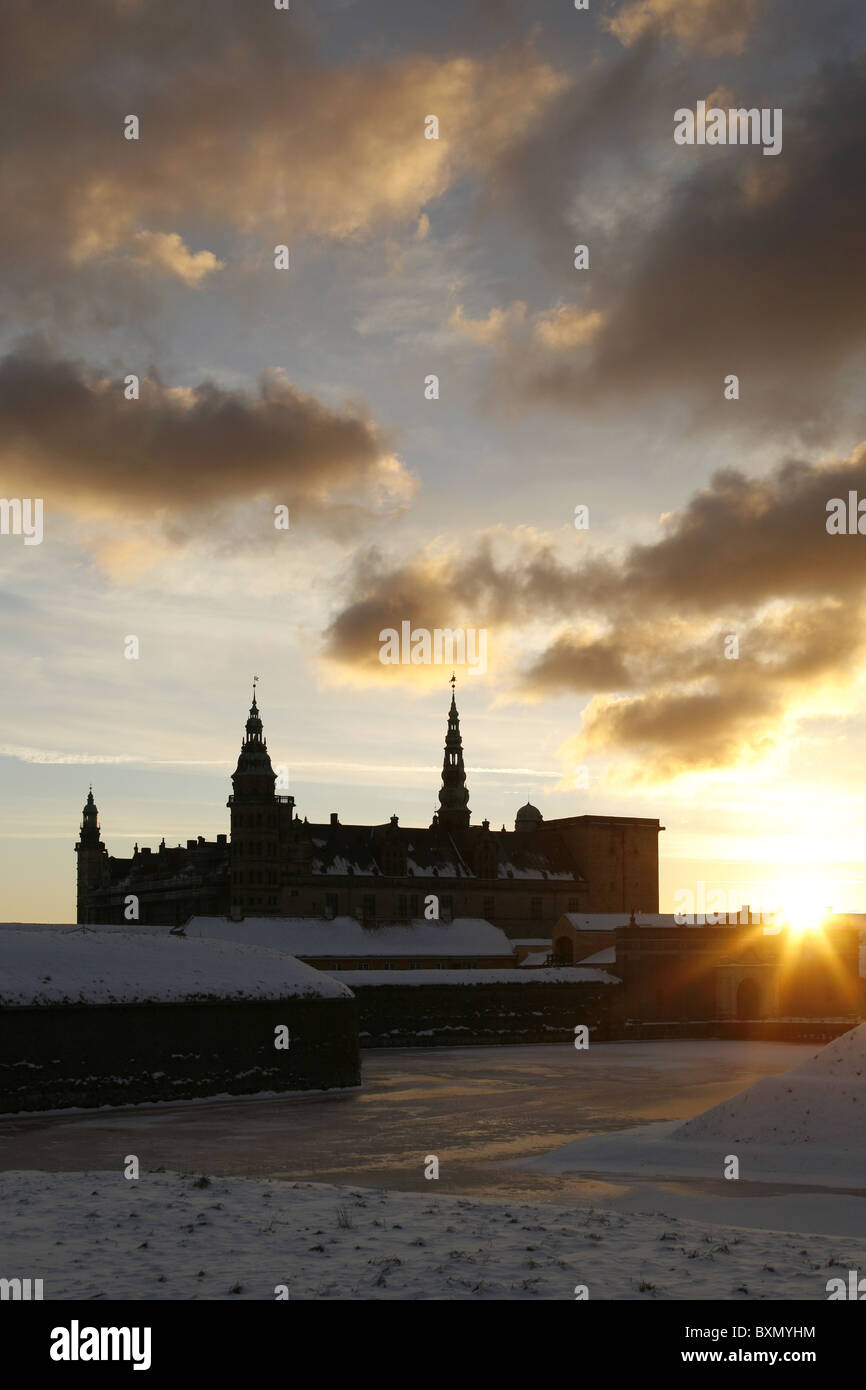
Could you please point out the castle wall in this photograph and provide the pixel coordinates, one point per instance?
(619, 858)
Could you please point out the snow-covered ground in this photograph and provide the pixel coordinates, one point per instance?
(95, 1235)
(804, 1125)
(819, 1103)
(108, 965)
(172, 1236)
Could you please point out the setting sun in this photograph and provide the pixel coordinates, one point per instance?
(804, 908)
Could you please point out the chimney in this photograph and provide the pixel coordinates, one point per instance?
(335, 820)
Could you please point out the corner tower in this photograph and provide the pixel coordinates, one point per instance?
(254, 825)
(454, 794)
(92, 858)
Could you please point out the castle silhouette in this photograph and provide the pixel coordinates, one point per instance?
(276, 864)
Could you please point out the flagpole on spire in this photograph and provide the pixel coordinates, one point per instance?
(454, 794)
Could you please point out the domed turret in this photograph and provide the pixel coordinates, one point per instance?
(528, 817)
(253, 778)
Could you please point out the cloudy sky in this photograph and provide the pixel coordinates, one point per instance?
(601, 387)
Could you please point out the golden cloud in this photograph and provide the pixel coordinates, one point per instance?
(708, 26)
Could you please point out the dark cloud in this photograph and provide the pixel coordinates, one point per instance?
(473, 589)
(698, 709)
(582, 665)
(69, 435)
(711, 26)
(703, 261)
(740, 542)
(757, 270)
(247, 132)
(649, 631)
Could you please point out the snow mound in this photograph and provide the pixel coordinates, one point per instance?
(65, 965)
(344, 936)
(822, 1102)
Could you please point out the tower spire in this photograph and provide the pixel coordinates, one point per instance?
(92, 858)
(454, 794)
(255, 823)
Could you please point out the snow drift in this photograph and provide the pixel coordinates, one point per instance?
(822, 1101)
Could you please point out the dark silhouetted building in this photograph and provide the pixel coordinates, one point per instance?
(277, 864)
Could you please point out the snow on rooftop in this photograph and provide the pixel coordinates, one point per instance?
(605, 957)
(345, 937)
(820, 1102)
(339, 865)
(609, 921)
(51, 964)
(560, 975)
(444, 868)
